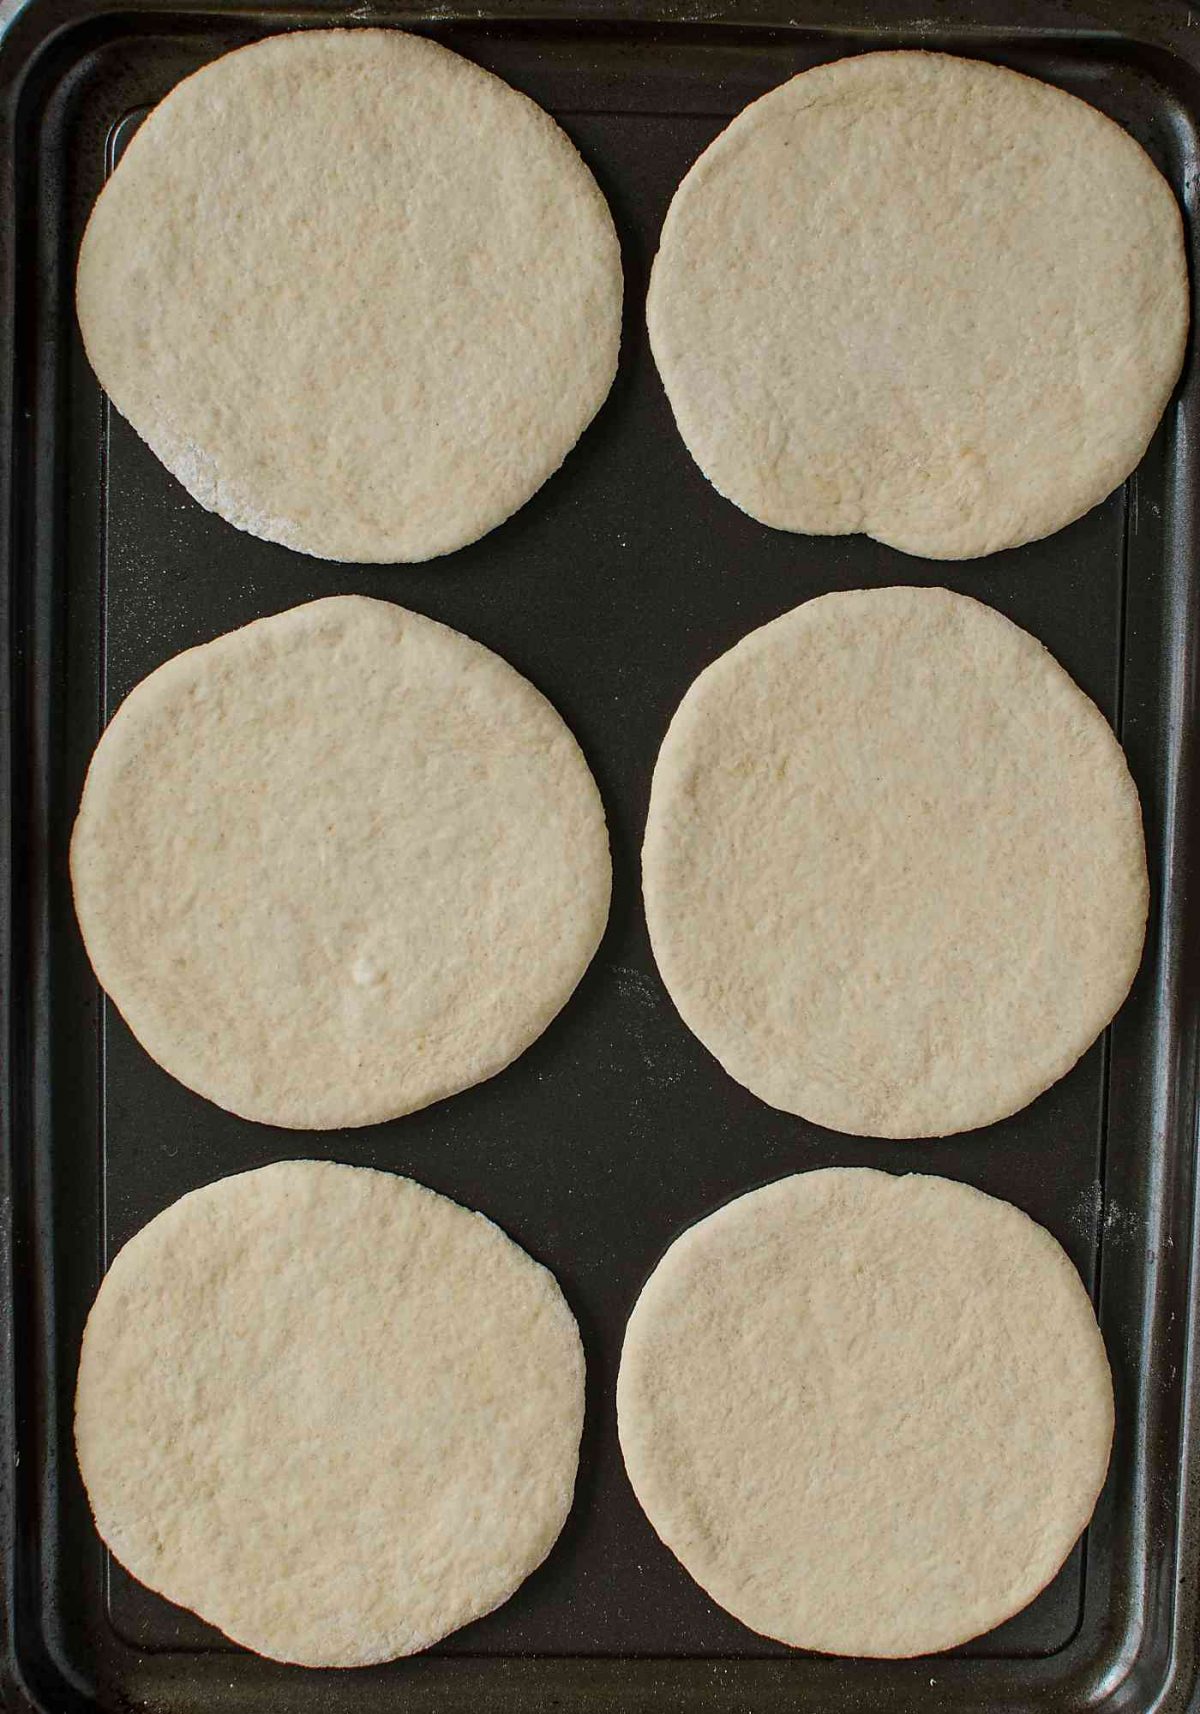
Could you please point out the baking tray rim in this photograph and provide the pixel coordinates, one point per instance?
(40, 27)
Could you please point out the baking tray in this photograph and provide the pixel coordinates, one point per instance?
(611, 589)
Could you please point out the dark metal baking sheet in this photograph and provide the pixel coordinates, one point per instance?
(610, 590)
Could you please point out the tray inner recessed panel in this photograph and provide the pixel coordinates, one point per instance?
(610, 590)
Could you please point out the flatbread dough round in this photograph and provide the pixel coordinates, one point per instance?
(330, 1411)
(338, 864)
(869, 1415)
(357, 294)
(894, 869)
(922, 297)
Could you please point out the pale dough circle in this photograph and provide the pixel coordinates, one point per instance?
(922, 297)
(869, 1415)
(330, 1411)
(338, 864)
(360, 296)
(894, 869)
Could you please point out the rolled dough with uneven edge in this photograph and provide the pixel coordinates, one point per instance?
(894, 870)
(869, 1415)
(356, 293)
(338, 864)
(922, 297)
(330, 1411)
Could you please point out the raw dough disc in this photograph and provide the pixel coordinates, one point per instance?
(330, 1411)
(922, 297)
(870, 1415)
(894, 868)
(338, 864)
(357, 294)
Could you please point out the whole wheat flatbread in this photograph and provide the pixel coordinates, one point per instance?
(870, 1415)
(338, 864)
(922, 297)
(330, 1411)
(894, 869)
(355, 292)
